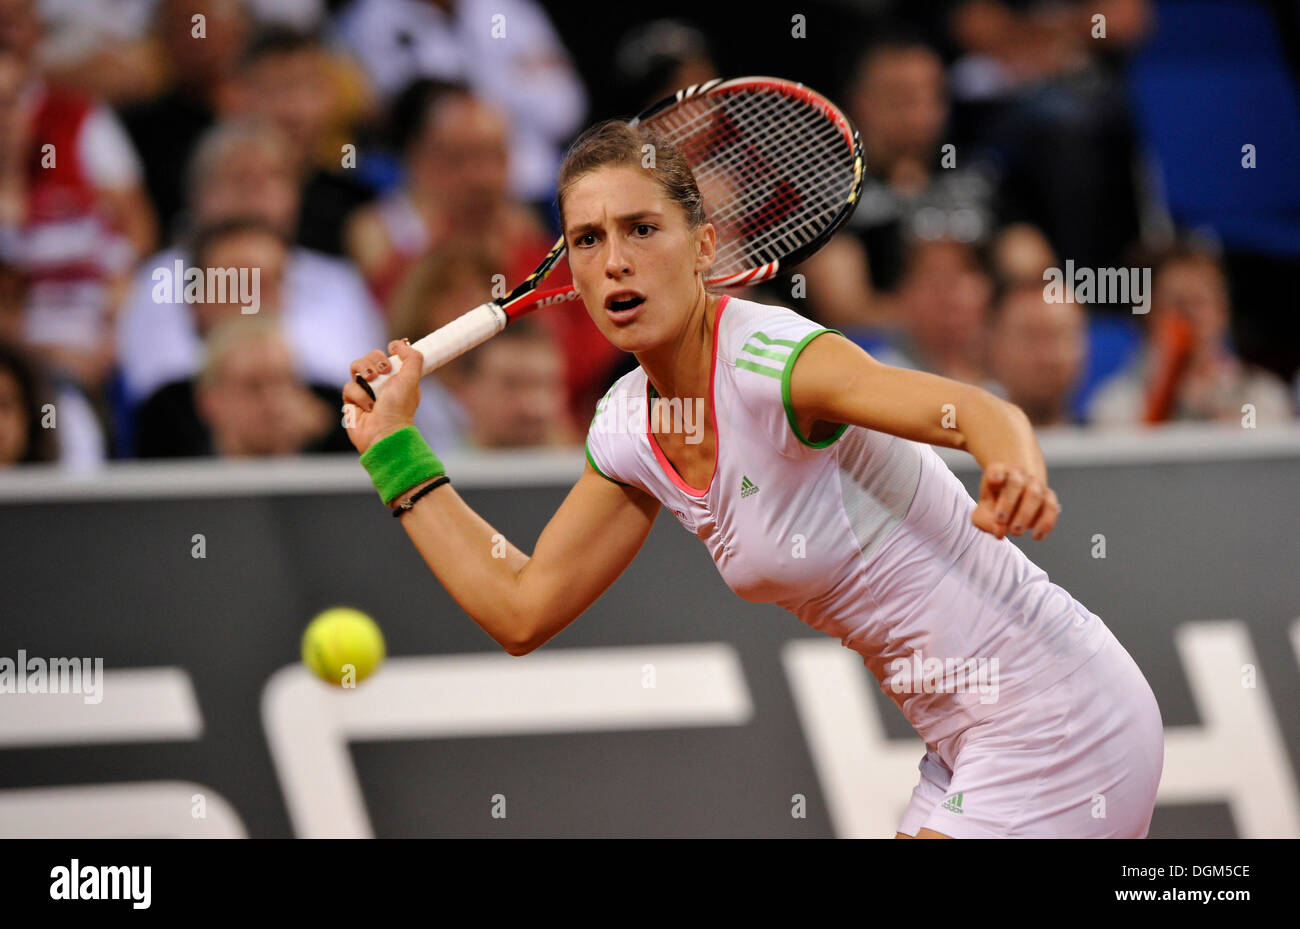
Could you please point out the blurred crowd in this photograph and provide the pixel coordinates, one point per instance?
(385, 165)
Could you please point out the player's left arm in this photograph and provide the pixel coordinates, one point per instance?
(835, 381)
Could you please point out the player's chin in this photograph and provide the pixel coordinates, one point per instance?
(634, 336)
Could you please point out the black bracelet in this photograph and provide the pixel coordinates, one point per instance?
(402, 508)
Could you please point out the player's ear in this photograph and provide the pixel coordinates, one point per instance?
(706, 246)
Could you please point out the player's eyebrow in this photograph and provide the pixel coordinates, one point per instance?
(627, 218)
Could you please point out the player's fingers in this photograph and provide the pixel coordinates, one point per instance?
(370, 364)
(354, 394)
(349, 416)
(1048, 516)
(1009, 495)
(360, 366)
(1031, 501)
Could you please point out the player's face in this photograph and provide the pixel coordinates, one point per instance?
(636, 262)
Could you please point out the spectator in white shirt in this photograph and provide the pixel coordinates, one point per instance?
(246, 169)
(506, 51)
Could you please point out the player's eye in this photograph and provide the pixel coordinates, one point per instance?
(586, 240)
(643, 229)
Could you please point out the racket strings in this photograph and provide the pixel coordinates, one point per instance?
(773, 169)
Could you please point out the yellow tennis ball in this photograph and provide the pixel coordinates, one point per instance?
(342, 646)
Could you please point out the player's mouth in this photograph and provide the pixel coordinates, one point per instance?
(623, 306)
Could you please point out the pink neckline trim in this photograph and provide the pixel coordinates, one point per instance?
(664, 463)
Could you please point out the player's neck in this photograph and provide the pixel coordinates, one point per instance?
(681, 366)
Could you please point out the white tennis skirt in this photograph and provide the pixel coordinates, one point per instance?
(1082, 759)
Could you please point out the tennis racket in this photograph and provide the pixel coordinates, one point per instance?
(778, 165)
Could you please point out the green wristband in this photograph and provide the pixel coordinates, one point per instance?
(399, 461)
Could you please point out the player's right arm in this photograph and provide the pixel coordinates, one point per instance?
(519, 600)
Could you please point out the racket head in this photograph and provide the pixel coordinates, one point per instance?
(780, 168)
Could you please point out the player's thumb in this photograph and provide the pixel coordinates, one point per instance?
(412, 368)
(982, 518)
(984, 515)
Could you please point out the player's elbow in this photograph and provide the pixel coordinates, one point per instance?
(520, 642)
(534, 629)
(519, 638)
(523, 631)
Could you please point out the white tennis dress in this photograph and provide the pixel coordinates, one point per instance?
(868, 537)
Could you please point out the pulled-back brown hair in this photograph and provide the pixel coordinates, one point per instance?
(614, 142)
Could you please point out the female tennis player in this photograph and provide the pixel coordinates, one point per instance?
(813, 485)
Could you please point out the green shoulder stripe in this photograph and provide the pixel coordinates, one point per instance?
(763, 337)
(780, 356)
(758, 369)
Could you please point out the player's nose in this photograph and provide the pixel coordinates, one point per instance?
(617, 262)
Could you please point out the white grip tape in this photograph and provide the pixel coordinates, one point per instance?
(450, 341)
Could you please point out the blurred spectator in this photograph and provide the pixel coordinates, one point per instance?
(13, 296)
(439, 288)
(505, 50)
(41, 421)
(73, 215)
(512, 388)
(251, 402)
(944, 302)
(898, 100)
(244, 244)
(246, 170)
(455, 153)
(1020, 254)
(1037, 352)
(107, 47)
(1044, 99)
(656, 59)
(104, 48)
(300, 15)
(286, 78)
(1188, 369)
(22, 440)
(200, 73)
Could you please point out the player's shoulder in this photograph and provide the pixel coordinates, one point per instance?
(629, 385)
(620, 417)
(761, 338)
(620, 411)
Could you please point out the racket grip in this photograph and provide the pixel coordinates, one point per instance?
(448, 342)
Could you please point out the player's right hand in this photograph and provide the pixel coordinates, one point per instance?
(366, 420)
